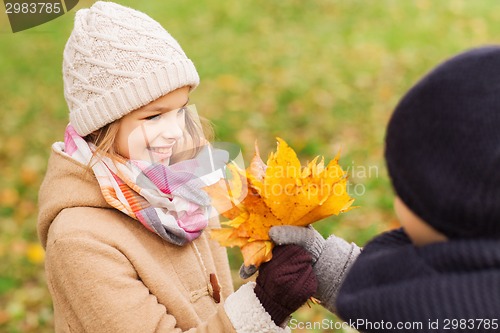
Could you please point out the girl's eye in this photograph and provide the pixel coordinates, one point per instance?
(180, 112)
(153, 117)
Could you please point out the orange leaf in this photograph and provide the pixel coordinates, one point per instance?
(280, 192)
(257, 252)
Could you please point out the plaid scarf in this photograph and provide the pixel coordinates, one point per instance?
(167, 200)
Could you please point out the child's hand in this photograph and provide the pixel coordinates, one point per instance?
(331, 258)
(307, 237)
(286, 282)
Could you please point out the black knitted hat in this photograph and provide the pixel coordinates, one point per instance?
(443, 146)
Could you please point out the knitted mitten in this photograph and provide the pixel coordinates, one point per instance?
(285, 282)
(332, 258)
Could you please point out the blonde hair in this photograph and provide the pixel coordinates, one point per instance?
(105, 137)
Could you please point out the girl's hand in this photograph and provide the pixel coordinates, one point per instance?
(286, 282)
(331, 258)
(307, 237)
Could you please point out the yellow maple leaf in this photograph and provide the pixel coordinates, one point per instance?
(279, 192)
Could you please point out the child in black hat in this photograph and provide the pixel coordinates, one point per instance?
(441, 271)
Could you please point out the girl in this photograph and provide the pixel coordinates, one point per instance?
(122, 210)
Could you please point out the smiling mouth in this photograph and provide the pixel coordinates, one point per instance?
(161, 153)
(161, 150)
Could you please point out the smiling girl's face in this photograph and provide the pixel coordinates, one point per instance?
(154, 131)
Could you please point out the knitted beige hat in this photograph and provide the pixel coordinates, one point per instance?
(116, 60)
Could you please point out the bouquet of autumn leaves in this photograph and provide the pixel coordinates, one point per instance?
(279, 192)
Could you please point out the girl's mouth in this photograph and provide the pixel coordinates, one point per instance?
(161, 153)
(161, 150)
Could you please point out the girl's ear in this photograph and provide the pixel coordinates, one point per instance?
(94, 136)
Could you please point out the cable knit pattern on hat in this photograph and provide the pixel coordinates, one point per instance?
(116, 60)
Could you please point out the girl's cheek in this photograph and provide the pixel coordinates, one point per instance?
(183, 150)
(180, 146)
(137, 142)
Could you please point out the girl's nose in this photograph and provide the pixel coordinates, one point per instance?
(172, 126)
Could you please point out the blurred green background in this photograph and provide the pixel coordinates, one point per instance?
(324, 75)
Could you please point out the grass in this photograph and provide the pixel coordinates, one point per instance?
(323, 75)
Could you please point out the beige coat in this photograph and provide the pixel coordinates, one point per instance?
(108, 273)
